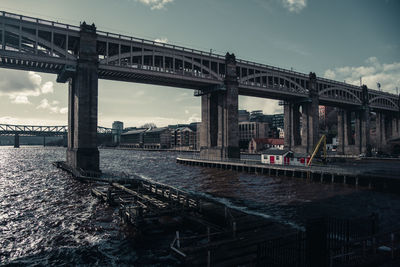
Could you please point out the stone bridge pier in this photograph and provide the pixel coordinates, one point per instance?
(219, 133)
(16, 140)
(387, 127)
(302, 137)
(82, 152)
(358, 141)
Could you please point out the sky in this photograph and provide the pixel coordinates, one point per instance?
(342, 40)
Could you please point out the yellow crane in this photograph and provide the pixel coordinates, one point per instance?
(317, 147)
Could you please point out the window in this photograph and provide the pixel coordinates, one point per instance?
(277, 157)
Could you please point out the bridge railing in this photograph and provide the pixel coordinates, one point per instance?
(161, 44)
(38, 21)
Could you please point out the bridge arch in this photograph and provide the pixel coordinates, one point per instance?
(296, 86)
(150, 53)
(383, 101)
(348, 94)
(47, 45)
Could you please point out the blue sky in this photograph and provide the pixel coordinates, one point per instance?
(341, 39)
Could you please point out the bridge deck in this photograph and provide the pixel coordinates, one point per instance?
(35, 44)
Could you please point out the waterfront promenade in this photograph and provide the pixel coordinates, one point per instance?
(372, 173)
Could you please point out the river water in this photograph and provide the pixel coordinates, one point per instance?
(48, 218)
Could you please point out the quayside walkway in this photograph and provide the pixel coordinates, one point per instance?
(356, 174)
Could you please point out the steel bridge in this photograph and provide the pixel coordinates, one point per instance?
(32, 130)
(82, 54)
(42, 131)
(46, 46)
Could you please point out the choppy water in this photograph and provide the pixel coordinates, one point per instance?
(46, 217)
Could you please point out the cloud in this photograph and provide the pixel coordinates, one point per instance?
(294, 5)
(155, 4)
(139, 93)
(31, 121)
(182, 97)
(388, 75)
(161, 40)
(330, 74)
(268, 106)
(19, 86)
(47, 88)
(21, 99)
(44, 104)
(194, 118)
(53, 107)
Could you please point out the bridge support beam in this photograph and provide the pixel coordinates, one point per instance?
(219, 134)
(340, 132)
(347, 145)
(395, 126)
(310, 118)
(309, 137)
(16, 140)
(365, 142)
(380, 131)
(384, 128)
(82, 152)
(292, 125)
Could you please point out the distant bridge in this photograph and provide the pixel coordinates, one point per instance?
(43, 131)
(32, 130)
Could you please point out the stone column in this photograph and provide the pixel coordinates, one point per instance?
(310, 118)
(16, 140)
(219, 135)
(380, 131)
(348, 138)
(230, 109)
(292, 125)
(357, 133)
(365, 123)
(341, 135)
(296, 137)
(287, 124)
(395, 127)
(388, 127)
(82, 152)
(209, 121)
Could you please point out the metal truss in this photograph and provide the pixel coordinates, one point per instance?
(35, 44)
(7, 129)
